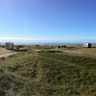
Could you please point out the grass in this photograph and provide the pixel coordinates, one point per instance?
(78, 50)
(88, 51)
(4, 51)
(47, 73)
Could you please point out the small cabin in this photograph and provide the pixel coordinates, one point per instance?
(87, 45)
(9, 45)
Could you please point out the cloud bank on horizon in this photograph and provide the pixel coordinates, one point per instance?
(6, 39)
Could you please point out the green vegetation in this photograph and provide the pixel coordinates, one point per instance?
(47, 73)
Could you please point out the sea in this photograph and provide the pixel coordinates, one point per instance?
(47, 43)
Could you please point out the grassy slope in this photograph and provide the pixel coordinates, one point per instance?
(4, 51)
(47, 74)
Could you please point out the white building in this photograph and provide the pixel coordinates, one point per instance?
(9, 45)
(87, 45)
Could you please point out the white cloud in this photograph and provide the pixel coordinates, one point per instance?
(7, 39)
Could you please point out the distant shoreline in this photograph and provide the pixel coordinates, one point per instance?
(47, 43)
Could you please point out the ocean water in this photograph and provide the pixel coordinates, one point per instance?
(47, 43)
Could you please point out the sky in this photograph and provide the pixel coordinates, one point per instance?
(48, 20)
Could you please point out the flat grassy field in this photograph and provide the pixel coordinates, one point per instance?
(88, 51)
(75, 50)
(47, 73)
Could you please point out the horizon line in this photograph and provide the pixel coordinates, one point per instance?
(5, 39)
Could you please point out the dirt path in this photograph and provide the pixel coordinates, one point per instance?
(7, 55)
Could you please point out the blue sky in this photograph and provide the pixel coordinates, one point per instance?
(48, 19)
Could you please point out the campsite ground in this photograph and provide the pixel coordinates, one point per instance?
(71, 50)
(91, 52)
(49, 72)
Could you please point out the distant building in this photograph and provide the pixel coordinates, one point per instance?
(87, 45)
(9, 45)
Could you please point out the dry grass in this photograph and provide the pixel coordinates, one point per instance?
(88, 51)
(4, 51)
(91, 52)
(48, 73)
